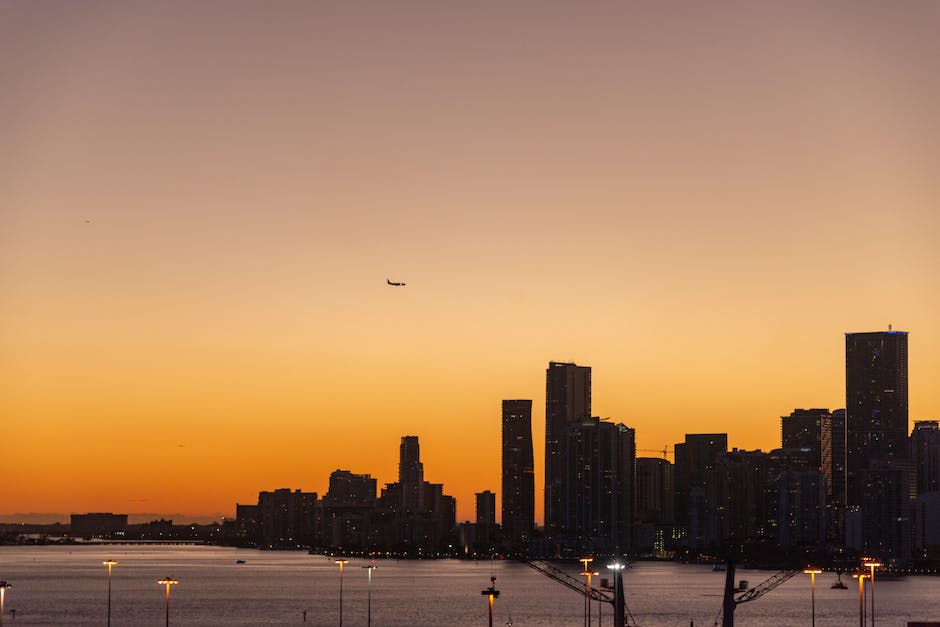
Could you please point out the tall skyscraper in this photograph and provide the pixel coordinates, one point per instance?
(881, 480)
(518, 487)
(567, 402)
(486, 518)
(875, 403)
(411, 474)
(811, 430)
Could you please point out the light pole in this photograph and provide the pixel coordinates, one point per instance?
(341, 564)
(168, 581)
(110, 564)
(369, 569)
(589, 574)
(871, 564)
(4, 586)
(861, 597)
(492, 593)
(587, 594)
(812, 572)
(617, 569)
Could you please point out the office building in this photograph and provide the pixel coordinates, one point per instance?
(518, 484)
(567, 402)
(693, 459)
(410, 474)
(925, 455)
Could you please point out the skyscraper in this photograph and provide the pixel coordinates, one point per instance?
(811, 430)
(518, 486)
(567, 402)
(411, 474)
(880, 475)
(875, 403)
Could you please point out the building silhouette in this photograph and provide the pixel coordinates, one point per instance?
(599, 500)
(693, 459)
(655, 505)
(880, 477)
(486, 519)
(287, 518)
(98, 525)
(925, 455)
(518, 475)
(348, 512)
(410, 474)
(567, 402)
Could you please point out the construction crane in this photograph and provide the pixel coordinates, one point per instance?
(663, 451)
(578, 586)
(726, 613)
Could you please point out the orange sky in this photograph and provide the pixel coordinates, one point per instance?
(200, 204)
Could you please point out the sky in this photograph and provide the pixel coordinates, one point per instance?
(200, 204)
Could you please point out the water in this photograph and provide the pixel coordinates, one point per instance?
(67, 585)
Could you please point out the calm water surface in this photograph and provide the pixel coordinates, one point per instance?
(68, 586)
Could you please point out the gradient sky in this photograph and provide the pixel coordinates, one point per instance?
(200, 203)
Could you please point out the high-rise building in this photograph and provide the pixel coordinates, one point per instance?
(567, 402)
(837, 497)
(486, 518)
(925, 454)
(518, 486)
(411, 474)
(875, 403)
(880, 476)
(654, 491)
(811, 430)
(598, 504)
(693, 458)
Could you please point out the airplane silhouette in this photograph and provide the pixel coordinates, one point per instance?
(394, 283)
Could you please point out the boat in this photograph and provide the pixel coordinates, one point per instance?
(718, 567)
(239, 561)
(838, 585)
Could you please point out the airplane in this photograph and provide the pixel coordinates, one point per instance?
(396, 284)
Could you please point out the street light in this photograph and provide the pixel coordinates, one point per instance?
(617, 568)
(110, 564)
(812, 572)
(871, 564)
(341, 564)
(370, 568)
(168, 581)
(861, 597)
(492, 593)
(4, 586)
(587, 595)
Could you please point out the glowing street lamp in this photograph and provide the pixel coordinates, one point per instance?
(492, 593)
(617, 568)
(587, 595)
(812, 572)
(370, 568)
(861, 597)
(871, 564)
(168, 581)
(4, 586)
(110, 564)
(341, 564)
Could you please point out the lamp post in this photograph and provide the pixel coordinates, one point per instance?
(369, 569)
(341, 564)
(587, 594)
(617, 569)
(168, 581)
(871, 564)
(861, 597)
(812, 572)
(4, 586)
(110, 564)
(589, 574)
(491, 593)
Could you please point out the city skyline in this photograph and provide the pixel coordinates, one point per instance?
(200, 207)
